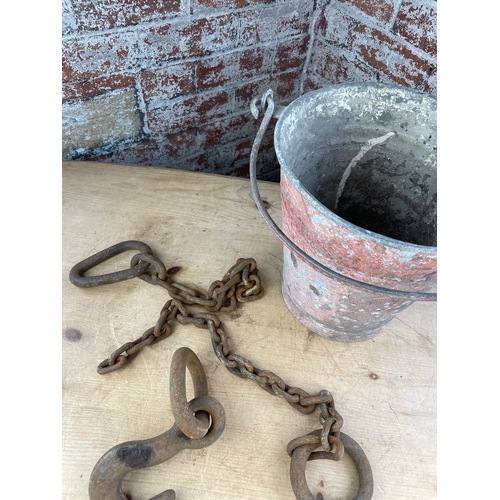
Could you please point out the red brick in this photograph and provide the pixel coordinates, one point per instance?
(243, 149)
(218, 70)
(430, 83)
(105, 14)
(233, 67)
(265, 24)
(256, 61)
(183, 113)
(96, 86)
(388, 56)
(162, 153)
(242, 169)
(314, 82)
(146, 152)
(246, 92)
(226, 130)
(238, 170)
(291, 54)
(338, 69)
(331, 64)
(238, 164)
(213, 160)
(183, 143)
(167, 83)
(266, 158)
(416, 22)
(381, 10)
(285, 86)
(191, 38)
(335, 26)
(98, 55)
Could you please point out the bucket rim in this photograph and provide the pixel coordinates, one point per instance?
(371, 235)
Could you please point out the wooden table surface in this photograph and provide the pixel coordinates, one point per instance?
(385, 388)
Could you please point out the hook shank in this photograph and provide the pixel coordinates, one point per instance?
(108, 473)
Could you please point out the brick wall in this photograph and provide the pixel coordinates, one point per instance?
(388, 41)
(169, 83)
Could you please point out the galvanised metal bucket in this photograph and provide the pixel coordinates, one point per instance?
(358, 187)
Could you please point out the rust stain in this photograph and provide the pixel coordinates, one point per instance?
(174, 270)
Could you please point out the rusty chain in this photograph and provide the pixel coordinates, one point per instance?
(241, 283)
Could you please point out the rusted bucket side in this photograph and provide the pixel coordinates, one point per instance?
(344, 314)
(333, 308)
(391, 188)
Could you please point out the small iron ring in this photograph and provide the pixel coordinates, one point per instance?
(302, 454)
(189, 424)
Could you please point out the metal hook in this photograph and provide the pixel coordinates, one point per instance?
(266, 101)
(107, 475)
(303, 452)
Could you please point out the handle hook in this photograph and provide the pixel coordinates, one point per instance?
(198, 424)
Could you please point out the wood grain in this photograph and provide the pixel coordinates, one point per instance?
(385, 388)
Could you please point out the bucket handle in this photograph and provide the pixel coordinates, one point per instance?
(267, 103)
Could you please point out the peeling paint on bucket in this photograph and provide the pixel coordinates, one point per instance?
(380, 227)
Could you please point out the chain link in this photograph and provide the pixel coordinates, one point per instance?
(241, 283)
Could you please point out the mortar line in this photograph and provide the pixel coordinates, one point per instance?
(397, 8)
(317, 9)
